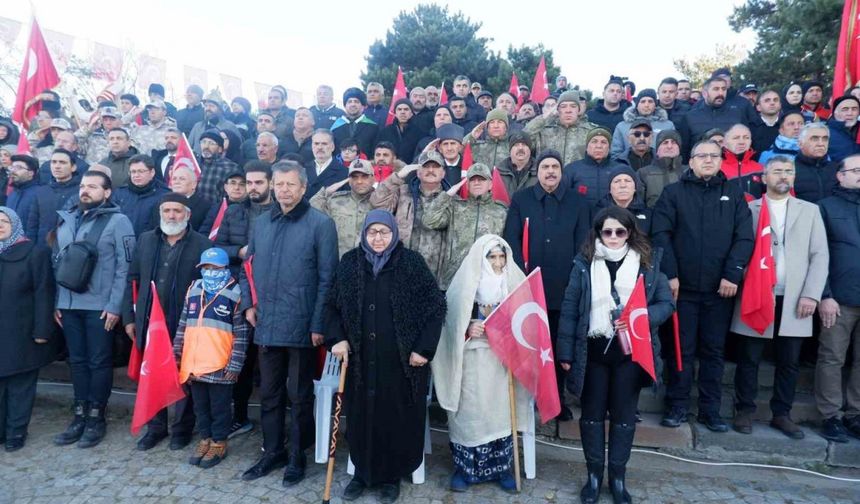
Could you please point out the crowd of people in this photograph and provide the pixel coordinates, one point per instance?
(325, 227)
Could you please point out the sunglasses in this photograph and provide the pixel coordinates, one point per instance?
(639, 134)
(618, 233)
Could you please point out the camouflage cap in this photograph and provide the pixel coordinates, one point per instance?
(61, 124)
(432, 156)
(156, 104)
(569, 96)
(361, 166)
(479, 170)
(110, 112)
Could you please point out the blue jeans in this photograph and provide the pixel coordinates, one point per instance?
(90, 355)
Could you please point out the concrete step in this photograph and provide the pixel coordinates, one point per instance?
(649, 432)
(844, 454)
(803, 410)
(764, 445)
(766, 370)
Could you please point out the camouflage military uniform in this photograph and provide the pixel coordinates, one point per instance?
(148, 138)
(569, 141)
(94, 144)
(407, 202)
(347, 210)
(489, 152)
(465, 221)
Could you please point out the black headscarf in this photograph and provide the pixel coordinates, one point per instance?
(379, 259)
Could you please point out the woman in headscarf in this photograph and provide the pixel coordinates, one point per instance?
(471, 383)
(605, 379)
(27, 341)
(384, 315)
(792, 98)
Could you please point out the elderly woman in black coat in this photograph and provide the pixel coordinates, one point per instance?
(603, 277)
(26, 315)
(384, 316)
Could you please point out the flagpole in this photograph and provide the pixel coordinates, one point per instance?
(329, 474)
(513, 400)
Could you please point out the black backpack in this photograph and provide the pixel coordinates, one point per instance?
(77, 261)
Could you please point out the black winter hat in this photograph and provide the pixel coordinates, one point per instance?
(841, 99)
(213, 135)
(623, 170)
(355, 92)
(173, 197)
(647, 93)
(549, 153)
(244, 102)
(404, 101)
(156, 88)
(807, 85)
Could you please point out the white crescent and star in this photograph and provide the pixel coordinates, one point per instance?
(530, 308)
(635, 314)
(32, 65)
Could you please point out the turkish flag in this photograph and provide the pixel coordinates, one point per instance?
(638, 333)
(465, 163)
(249, 274)
(159, 377)
(23, 143)
(184, 157)
(443, 95)
(514, 89)
(218, 219)
(847, 71)
(526, 245)
(135, 358)
(518, 333)
(382, 172)
(500, 193)
(37, 74)
(540, 87)
(757, 303)
(399, 94)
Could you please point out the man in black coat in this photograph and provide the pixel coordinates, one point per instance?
(610, 110)
(404, 132)
(558, 222)
(714, 111)
(62, 194)
(193, 112)
(140, 198)
(354, 124)
(704, 227)
(816, 174)
(233, 237)
(667, 93)
(167, 256)
(325, 169)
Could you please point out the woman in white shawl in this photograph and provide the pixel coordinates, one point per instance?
(471, 383)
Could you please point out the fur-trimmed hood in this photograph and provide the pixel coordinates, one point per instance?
(632, 114)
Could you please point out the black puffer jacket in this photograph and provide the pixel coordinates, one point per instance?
(637, 207)
(606, 119)
(590, 178)
(236, 228)
(576, 312)
(705, 230)
(816, 177)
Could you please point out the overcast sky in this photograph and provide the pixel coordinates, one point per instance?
(302, 44)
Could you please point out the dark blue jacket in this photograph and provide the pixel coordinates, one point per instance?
(606, 119)
(843, 141)
(45, 175)
(815, 179)
(294, 258)
(576, 312)
(43, 214)
(24, 200)
(333, 173)
(558, 224)
(590, 179)
(637, 207)
(140, 204)
(703, 117)
(841, 214)
(705, 230)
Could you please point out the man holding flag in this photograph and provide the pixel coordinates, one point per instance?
(558, 223)
(790, 237)
(167, 256)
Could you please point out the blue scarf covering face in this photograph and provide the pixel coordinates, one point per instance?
(214, 280)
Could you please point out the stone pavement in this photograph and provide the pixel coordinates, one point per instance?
(115, 472)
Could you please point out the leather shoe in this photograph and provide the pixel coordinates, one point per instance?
(674, 417)
(389, 492)
(150, 440)
(852, 425)
(833, 430)
(784, 424)
(179, 442)
(354, 489)
(14, 444)
(267, 463)
(743, 422)
(713, 422)
(295, 471)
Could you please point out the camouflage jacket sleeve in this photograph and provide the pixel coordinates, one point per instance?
(387, 194)
(320, 201)
(437, 215)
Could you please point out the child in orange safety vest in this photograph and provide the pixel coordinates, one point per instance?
(210, 345)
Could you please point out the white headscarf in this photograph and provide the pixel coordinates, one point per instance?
(492, 287)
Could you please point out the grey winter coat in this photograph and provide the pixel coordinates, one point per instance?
(659, 122)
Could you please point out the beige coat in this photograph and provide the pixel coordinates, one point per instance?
(807, 259)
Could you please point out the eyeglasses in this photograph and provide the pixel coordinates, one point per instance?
(705, 155)
(855, 171)
(618, 233)
(639, 134)
(373, 233)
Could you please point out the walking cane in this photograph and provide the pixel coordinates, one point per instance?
(513, 396)
(333, 446)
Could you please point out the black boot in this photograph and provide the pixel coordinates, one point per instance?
(96, 427)
(75, 429)
(620, 443)
(593, 445)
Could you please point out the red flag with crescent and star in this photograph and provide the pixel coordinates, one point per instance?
(514, 89)
(398, 94)
(184, 157)
(757, 302)
(635, 313)
(540, 87)
(518, 333)
(38, 73)
(218, 219)
(847, 70)
(500, 193)
(159, 377)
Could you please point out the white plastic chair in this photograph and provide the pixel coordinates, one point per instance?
(324, 389)
(417, 475)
